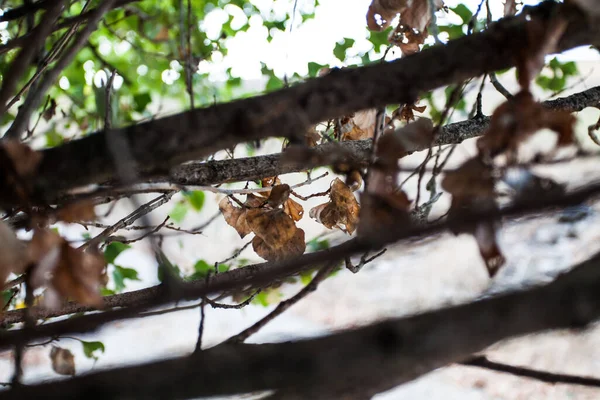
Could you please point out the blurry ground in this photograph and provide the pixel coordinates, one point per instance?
(408, 279)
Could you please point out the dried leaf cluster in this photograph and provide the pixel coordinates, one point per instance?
(272, 218)
(473, 184)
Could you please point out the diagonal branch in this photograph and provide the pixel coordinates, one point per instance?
(261, 275)
(544, 376)
(369, 359)
(163, 143)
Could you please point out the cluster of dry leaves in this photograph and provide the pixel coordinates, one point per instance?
(415, 17)
(473, 185)
(63, 271)
(272, 217)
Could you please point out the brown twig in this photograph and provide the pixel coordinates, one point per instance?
(543, 376)
(320, 276)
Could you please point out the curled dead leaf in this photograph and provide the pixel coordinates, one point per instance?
(279, 195)
(292, 248)
(517, 119)
(77, 212)
(312, 138)
(234, 216)
(293, 209)
(417, 135)
(382, 12)
(274, 227)
(13, 253)
(66, 272)
(24, 159)
(358, 126)
(63, 361)
(542, 38)
(341, 211)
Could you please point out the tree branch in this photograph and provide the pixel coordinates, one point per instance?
(544, 376)
(159, 145)
(369, 359)
(260, 275)
(355, 153)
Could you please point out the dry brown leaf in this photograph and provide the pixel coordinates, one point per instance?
(50, 111)
(382, 12)
(292, 248)
(542, 38)
(13, 253)
(414, 136)
(510, 8)
(25, 160)
(274, 227)
(68, 273)
(234, 216)
(472, 179)
(358, 126)
(77, 212)
(354, 180)
(293, 209)
(312, 138)
(485, 235)
(341, 211)
(472, 189)
(380, 215)
(279, 195)
(517, 119)
(63, 361)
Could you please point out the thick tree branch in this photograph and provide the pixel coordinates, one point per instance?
(159, 145)
(258, 275)
(355, 153)
(368, 360)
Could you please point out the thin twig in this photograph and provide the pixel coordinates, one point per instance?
(33, 99)
(543, 376)
(363, 261)
(128, 220)
(323, 273)
(145, 235)
(235, 254)
(241, 305)
(201, 326)
(499, 87)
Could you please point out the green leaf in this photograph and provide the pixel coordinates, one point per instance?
(262, 299)
(339, 51)
(6, 296)
(178, 212)
(380, 38)
(317, 245)
(113, 250)
(140, 101)
(274, 83)
(314, 68)
(122, 273)
(569, 68)
(463, 12)
(196, 199)
(89, 348)
(53, 138)
(306, 277)
(203, 267)
(107, 292)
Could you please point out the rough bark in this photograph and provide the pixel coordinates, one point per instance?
(159, 145)
(368, 360)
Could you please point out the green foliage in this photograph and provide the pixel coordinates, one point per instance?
(196, 199)
(89, 348)
(113, 250)
(122, 273)
(179, 212)
(202, 269)
(554, 77)
(340, 49)
(317, 244)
